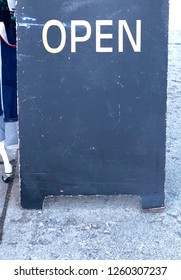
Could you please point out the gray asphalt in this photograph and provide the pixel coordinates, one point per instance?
(107, 227)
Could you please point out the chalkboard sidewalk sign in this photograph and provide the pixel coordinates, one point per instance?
(92, 87)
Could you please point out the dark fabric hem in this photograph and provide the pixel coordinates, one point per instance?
(11, 120)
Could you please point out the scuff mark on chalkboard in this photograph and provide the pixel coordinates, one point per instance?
(30, 24)
(28, 19)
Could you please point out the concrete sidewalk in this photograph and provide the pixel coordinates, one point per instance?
(107, 227)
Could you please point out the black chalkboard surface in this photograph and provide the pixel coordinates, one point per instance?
(92, 80)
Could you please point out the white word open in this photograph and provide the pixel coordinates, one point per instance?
(75, 40)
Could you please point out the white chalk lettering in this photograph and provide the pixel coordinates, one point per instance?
(49, 24)
(136, 45)
(100, 36)
(74, 38)
(123, 29)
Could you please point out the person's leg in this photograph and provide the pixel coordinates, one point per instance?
(7, 166)
(9, 84)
